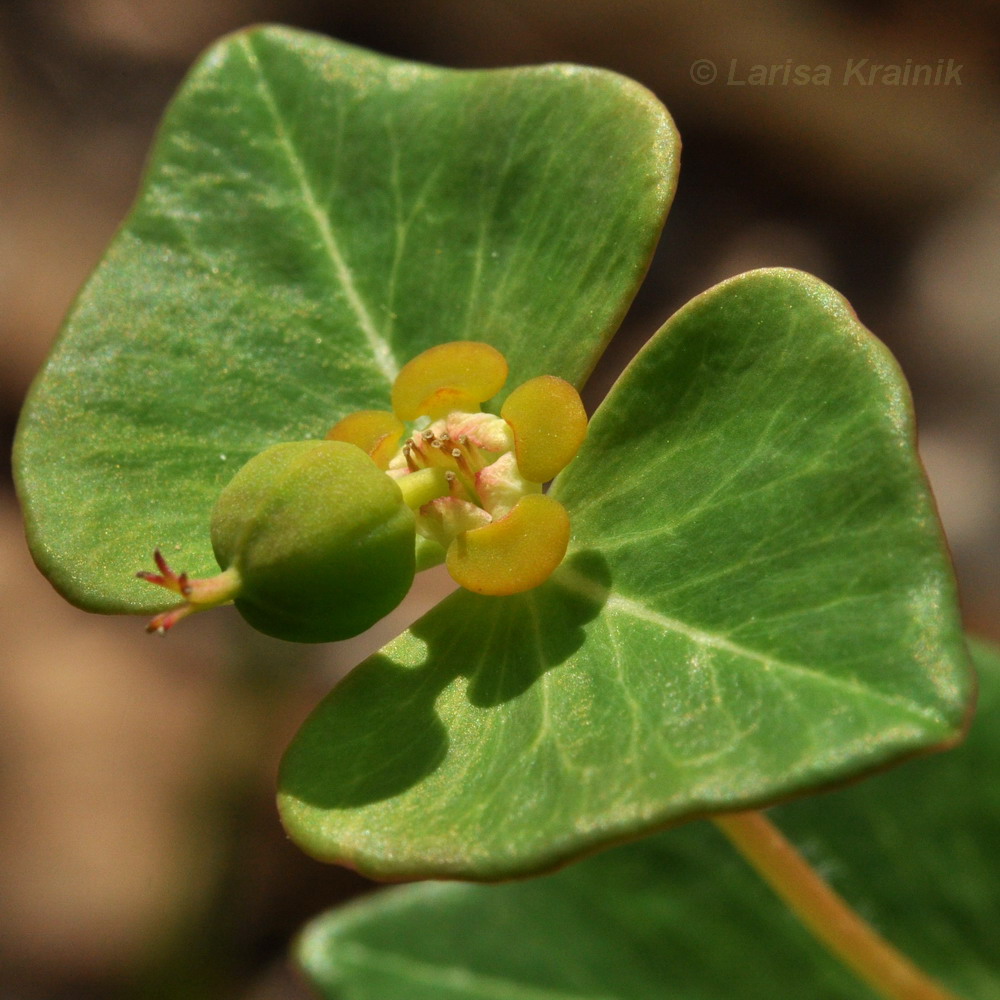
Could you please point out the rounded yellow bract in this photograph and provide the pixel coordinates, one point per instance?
(455, 376)
(515, 553)
(549, 423)
(376, 432)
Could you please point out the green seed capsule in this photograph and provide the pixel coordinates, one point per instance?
(320, 538)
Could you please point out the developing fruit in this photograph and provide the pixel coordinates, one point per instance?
(315, 542)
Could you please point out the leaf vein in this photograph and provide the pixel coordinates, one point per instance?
(381, 351)
(700, 637)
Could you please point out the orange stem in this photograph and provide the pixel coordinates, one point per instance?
(825, 913)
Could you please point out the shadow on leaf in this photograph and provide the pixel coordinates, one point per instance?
(378, 732)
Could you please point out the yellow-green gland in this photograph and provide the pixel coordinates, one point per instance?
(320, 537)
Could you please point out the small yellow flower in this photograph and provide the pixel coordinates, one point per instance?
(475, 479)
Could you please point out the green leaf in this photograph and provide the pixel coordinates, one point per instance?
(681, 915)
(757, 603)
(314, 215)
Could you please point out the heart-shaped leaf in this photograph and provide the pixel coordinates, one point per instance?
(681, 915)
(756, 603)
(313, 216)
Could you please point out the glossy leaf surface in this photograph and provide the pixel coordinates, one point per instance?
(314, 216)
(756, 603)
(681, 915)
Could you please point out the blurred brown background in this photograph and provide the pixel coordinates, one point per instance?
(140, 854)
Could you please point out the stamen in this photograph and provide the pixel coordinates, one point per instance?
(463, 464)
(476, 461)
(431, 453)
(455, 487)
(466, 477)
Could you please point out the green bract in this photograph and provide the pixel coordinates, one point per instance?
(320, 537)
(681, 915)
(756, 602)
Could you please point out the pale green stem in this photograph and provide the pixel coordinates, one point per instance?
(830, 919)
(212, 591)
(422, 487)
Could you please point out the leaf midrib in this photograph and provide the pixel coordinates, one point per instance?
(586, 587)
(379, 346)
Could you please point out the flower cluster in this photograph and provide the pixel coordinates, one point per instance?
(474, 478)
(316, 539)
